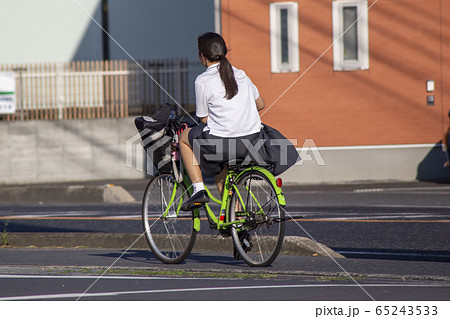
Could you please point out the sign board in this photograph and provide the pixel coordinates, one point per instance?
(7, 93)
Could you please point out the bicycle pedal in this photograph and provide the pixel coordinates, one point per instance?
(197, 205)
(196, 201)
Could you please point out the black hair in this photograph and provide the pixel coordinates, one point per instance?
(213, 47)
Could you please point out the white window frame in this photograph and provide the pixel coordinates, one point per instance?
(277, 65)
(362, 62)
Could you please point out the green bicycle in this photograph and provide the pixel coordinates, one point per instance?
(251, 212)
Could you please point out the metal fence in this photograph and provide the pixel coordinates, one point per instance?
(96, 89)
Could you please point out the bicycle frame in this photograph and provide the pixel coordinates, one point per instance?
(222, 220)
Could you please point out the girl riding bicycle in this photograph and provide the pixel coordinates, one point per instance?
(227, 103)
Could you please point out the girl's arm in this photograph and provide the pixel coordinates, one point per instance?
(204, 120)
(260, 104)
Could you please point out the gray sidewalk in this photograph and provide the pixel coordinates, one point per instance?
(77, 192)
(126, 191)
(142, 262)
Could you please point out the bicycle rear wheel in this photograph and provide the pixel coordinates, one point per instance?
(169, 231)
(259, 239)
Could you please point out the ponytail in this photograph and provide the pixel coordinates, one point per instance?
(213, 47)
(227, 77)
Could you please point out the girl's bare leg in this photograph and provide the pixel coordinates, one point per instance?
(220, 180)
(190, 162)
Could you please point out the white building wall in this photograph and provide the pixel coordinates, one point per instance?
(47, 30)
(61, 30)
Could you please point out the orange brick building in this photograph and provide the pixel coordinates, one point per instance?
(382, 101)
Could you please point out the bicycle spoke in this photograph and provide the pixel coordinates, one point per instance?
(258, 225)
(170, 235)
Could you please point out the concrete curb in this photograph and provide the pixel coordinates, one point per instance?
(64, 194)
(292, 244)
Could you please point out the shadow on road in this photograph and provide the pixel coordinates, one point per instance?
(395, 254)
(146, 257)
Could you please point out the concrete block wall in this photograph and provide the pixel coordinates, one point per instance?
(69, 150)
(82, 150)
(407, 162)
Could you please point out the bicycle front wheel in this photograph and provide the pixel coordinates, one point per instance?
(260, 237)
(169, 231)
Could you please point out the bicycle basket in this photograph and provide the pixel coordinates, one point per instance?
(157, 137)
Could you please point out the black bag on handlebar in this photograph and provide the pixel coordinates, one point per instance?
(157, 134)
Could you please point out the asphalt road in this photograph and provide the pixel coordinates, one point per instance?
(395, 236)
(407, 221)
(357, 232)
(102, 274)
(75, 287)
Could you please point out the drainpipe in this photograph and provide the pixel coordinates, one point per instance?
(105, 26)
(217, 17)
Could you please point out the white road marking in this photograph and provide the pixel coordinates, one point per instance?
(400, 189)
(381, 253)
(317, 215)
(7, 276)
(374, 216)
(184, 290)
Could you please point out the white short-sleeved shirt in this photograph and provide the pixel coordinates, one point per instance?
(227, 118)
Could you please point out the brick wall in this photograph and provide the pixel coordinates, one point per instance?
(409, 43)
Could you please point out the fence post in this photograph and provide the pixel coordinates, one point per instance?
(185, 82)
(59, 90)
(20, 71)
(179, 85)
(72, 90)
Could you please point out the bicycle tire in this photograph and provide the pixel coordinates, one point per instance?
(265, 219)
(171, 236)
